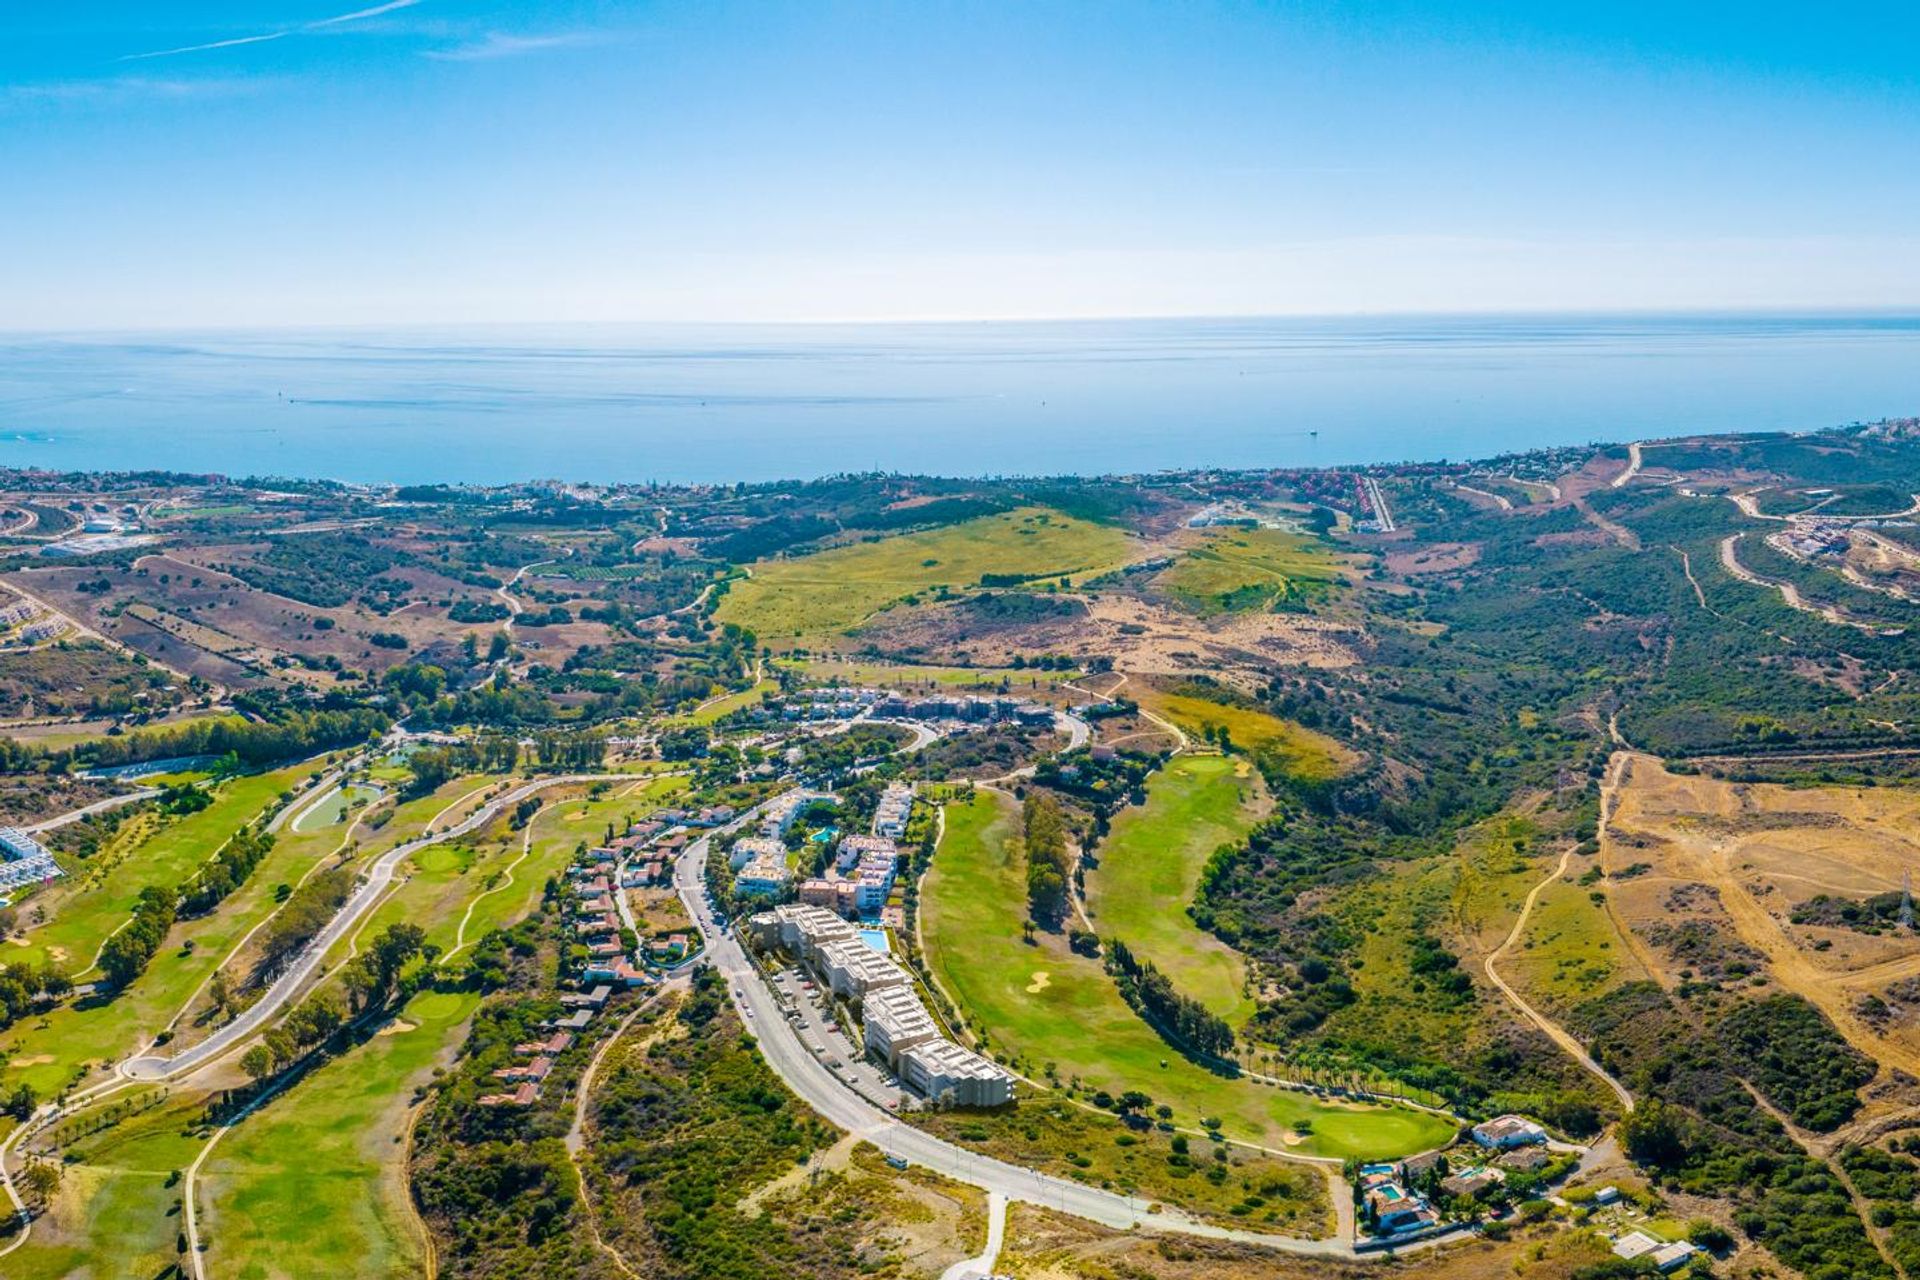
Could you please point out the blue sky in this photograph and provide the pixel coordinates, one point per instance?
(353, 161)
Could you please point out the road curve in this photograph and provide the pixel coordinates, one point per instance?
(378, 878)
(807, 1077)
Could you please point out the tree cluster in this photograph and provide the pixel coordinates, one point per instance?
(1044, 832)
(227, 871)
(125, 955)
(1181, 1019)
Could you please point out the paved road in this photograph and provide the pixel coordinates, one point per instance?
(981, 1267)
(378, 878)
(816, 1085)
(1078, 730)
(99, 806)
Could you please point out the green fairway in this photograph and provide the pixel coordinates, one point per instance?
(115, 1213)
(1048, 1007)
(831, 591)
(98, 898)
(315, 1182)
(54, 1050)
(1150, 865)
(1239, 569)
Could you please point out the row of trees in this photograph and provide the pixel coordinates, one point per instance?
(372, 980)
(306, 913)
(125, 955)
(1044, 831)
(1180, 1018)
(435, 766)
(227, 871)
(290, 735)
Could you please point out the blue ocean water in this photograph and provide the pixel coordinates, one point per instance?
(721, 403)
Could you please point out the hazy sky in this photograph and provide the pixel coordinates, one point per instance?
(173, 162)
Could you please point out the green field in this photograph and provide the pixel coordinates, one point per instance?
(720, 708)
(315, 1182)
(1150, 865)
(115, 1214)
(1047, 1007)
(81, 915)
(1275, 743)
(52, 1051)
(835, 590)
(1246, 569)
(1570, 951)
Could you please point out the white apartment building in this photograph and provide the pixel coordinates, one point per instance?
(852, 968)
(938, 1068)
(895, 1020)
(749, 848)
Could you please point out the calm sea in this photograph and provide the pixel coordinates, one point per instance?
(764, 402)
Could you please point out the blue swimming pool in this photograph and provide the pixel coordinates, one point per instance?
(877, 939)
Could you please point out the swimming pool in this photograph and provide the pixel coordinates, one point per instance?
(877, 939)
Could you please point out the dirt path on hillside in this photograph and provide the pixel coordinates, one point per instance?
(1790, 964)
(576, 1138)
(1553, 1030)
(1824, 1149)
(1612, 528)
(1730, 559)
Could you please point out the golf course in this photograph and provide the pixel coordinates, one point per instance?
(1059, 1017)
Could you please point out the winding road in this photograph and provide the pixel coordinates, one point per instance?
(377, 880)
(810, 1079)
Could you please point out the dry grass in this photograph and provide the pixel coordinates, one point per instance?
(1759, 850)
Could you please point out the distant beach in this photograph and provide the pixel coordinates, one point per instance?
(724, 403)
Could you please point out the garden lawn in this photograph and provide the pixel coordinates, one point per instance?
(315, 1183)
(834, 590)
(1150, 866)
(1046, 1007)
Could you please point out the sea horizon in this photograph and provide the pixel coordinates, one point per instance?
(711, 402)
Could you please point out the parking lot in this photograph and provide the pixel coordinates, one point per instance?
(812, 1018)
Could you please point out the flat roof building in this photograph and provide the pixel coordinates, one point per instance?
(852, 968)
(747, 848)
(941, 1068)
(800, 928)
(895, 1020)
(764, 877)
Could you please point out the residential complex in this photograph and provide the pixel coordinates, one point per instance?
(896, 1027)
(890, 819)
(26, 859)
